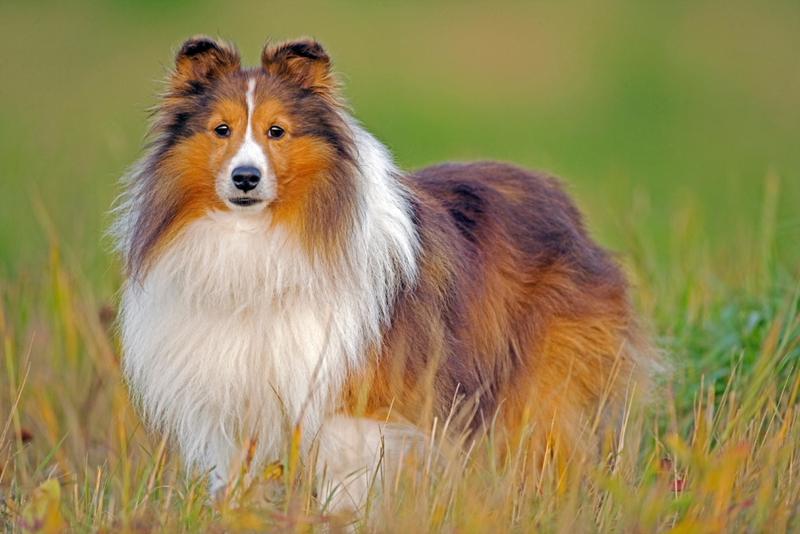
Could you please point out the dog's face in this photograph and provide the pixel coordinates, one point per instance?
(267, 142)
(245, 140)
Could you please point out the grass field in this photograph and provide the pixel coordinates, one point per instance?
(676, 126)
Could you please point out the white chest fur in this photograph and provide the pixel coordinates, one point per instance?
(224, 334)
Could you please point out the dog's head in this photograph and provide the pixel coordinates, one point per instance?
(270, 142)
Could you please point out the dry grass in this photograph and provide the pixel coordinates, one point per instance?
(717, 452)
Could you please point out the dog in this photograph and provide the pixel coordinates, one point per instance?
(283, 272)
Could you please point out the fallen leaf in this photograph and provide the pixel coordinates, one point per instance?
(42, 513)
(273, 471)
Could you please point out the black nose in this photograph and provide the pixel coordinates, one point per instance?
(246, 178)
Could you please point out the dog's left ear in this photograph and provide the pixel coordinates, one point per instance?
(303, 62)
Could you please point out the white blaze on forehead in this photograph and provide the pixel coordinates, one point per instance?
(250, 154)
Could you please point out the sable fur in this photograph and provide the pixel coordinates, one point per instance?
(352, 289)
(514, 308)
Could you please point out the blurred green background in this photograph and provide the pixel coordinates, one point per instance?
(665, 116)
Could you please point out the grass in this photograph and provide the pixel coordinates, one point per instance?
(682, 149)
(717, 454)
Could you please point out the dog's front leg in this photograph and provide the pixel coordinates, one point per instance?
(217, 470)
(353, 455)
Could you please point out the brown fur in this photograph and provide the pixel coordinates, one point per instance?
(516, 311)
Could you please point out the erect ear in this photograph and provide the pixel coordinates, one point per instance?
(201, 59)
(303, 62)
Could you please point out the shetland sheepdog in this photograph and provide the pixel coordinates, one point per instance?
(283, 271)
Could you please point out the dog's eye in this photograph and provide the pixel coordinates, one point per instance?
(275, 132)
(222, 130)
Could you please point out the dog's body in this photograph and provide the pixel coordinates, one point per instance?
(282, 268)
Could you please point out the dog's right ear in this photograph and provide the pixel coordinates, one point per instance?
(201, 59)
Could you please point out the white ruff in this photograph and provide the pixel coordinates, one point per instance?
(221, 338)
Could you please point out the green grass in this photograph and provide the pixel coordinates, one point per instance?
(676, 125)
